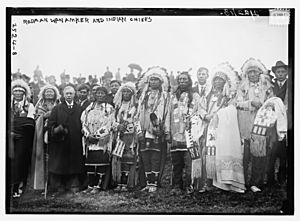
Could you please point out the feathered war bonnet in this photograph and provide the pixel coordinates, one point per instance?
(46, 87)
(118, 97)
(251, 64)
(256, 64)
(21, 85)
(156, 71)
(227, 73)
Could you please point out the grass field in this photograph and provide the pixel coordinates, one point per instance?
(268, 201)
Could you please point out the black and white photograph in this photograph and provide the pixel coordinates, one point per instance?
(169, 111)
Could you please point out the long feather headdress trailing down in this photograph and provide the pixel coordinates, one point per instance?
(159, 72)
(22, 84)
(118, 96)
(227, 73)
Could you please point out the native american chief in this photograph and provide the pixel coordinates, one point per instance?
(222, 153)
(153, 121)
(22, 132)
(124, 160)
(97, 121)
(47, 99)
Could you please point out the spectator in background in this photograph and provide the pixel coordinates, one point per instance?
(203, 87)
(25, 78)
(83, 93)
(118, 75)
(16, 75)
(36, 84)
(114, 86)
(90, 81)
(62, 82)
(108, 74)
(52, 81)
(65, 81)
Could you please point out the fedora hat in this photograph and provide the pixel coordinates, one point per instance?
(279, 64)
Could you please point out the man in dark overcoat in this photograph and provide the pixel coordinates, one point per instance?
(279, 148)
(66, 161)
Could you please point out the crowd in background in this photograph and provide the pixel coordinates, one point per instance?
(113, 133)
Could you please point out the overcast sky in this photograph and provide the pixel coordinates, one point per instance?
(174, 42)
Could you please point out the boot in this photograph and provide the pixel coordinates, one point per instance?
(148, 181)
(154, 182)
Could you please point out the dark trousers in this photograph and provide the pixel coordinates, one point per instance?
(151, 160)
(258, 171)
(98, 168)
(59, 182)
(278, 150)
(182, 165)
(246, 161)
(258, 167)
(99, 176)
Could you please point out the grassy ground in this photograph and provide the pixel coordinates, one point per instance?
(217, 202)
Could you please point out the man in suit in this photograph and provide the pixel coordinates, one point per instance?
(280, 87)
(82, 92)
(279, 148)
(202, 88)
(66, 160)
(114, 87)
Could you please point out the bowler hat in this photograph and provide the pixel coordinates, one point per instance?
(279, 64)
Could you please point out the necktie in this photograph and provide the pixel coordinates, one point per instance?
(70, 106)
(280, 84)
(202, 91)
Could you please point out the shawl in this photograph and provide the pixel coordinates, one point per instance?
(38, 154)
(273, 111)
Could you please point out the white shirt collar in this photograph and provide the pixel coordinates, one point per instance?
(281, 82)
(72, 103)
(82, 102)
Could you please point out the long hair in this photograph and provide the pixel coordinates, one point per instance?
(189, 89)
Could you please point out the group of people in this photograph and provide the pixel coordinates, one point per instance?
(227, 134)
